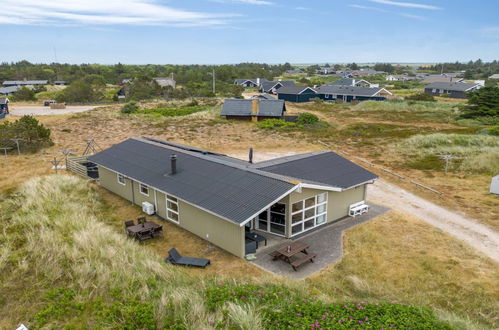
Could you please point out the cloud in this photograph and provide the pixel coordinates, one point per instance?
(302, 8)
(103, 12)
(389, 12)
(406, 4)
(247, 2)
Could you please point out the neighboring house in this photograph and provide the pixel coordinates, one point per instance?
(352, 93)
(455, 89)
(263, 96)
(400, 77)
(250, 82)
(166, 82)
(9, 90)
(215, 196)
(364, 72)
(495, 76)
(272, 86)
(9, 83)
(60, 83)
(4, 106)
(253, 109)
(296, 93)
(294, 71)
(325, 71)
(351, 82)
(441, 78)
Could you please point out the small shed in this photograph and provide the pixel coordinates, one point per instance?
(253, 109)
(494, 185)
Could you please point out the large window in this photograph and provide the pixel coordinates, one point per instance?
(121, 179)
(308, 213)
(273, 220)
(172, 208)
(144, 190)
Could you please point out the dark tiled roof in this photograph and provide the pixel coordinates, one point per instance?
(25, 82)
(236, 107)
(326, 168)
(457, 86)
(266, 107)
(209, 181)
(293, 89)
(263, 96)
(344, 82)
(348, 90)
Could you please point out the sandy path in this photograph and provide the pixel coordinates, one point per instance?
(46, 111)
(479, 236)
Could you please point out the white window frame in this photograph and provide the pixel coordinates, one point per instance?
(314, 217)
(143, 186)
(121, 176)
(170, 199)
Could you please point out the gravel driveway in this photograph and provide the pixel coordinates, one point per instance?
(46, 111)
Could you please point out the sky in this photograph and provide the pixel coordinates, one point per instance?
(234, 31)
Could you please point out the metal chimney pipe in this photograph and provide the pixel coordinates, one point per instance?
(251, 155)
(173, 160)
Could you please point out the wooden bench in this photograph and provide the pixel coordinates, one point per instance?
(274, 254)
(298, 262)
(358, 209)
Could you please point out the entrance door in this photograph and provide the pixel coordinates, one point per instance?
(273, 220)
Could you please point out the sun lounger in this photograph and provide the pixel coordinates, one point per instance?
(175, 258)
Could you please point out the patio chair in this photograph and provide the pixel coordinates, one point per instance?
(144, 235)
(157, 231)
(255, 237)
(128, 223)
(176, 259)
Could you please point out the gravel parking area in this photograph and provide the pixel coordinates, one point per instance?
(46, 111)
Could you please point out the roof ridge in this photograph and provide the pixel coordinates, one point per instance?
(207, 156)
(287, 159)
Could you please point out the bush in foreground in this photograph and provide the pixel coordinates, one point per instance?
(33, 134)
(421, 97)
(130, 107)
(282, 308)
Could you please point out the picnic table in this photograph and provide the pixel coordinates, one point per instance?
(145, 230)
(290, 250)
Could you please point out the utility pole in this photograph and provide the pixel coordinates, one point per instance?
(213, 81)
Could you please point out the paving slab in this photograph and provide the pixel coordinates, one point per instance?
(326, 242)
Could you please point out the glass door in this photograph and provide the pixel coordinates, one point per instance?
(273, 220)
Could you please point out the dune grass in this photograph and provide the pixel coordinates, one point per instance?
(476, 153)
(63, 266)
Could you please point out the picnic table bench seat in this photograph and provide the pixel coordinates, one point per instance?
(358, 209)
(298, 262)
(175, 258)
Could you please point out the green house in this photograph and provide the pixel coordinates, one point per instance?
(216, 196)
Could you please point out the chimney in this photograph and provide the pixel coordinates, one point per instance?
(254, 109)
(173, 160)
(251, 155)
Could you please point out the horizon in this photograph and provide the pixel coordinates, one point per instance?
(216, 32)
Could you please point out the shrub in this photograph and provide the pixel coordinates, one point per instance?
(483, 102)
(281, 308)
(274, 123)
(421, 97)
(173, 112)
(81, 91)
(307, 118)
(33, 134)
(130, 107)
(494, 130)
(24, 94)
